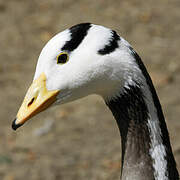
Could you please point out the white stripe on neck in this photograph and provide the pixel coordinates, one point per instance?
(157, 150)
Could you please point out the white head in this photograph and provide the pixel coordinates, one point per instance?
(95, 60)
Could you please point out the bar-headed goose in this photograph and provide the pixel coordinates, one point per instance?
(91, 59)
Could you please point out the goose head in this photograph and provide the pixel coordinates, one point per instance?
(82, 60)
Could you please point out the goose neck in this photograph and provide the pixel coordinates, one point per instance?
(146, 149)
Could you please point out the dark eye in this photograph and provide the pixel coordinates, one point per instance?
(62, 58)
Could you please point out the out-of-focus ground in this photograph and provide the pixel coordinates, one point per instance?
(80, 140)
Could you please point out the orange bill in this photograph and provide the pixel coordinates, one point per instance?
(37, 99)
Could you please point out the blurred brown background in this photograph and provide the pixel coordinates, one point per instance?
(80, 140)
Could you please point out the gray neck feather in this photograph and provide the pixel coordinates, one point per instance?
(132, 115)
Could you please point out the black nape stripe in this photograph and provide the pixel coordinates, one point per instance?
(78, 33)
(171, 164)
(112, 45)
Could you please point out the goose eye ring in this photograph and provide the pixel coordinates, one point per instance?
(62, 58)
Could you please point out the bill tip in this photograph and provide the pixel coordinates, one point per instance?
(15, 126)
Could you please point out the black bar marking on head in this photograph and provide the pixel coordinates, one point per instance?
(112, 45)
(78, 33)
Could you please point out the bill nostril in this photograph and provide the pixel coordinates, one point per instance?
(32, 100)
